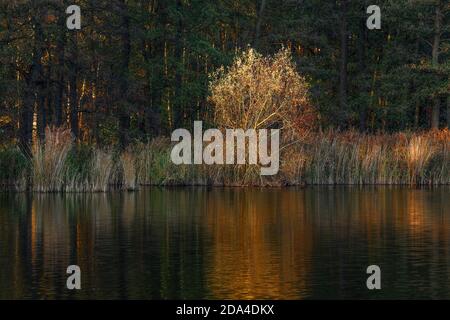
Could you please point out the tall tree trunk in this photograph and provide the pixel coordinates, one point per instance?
(435, 113)
(416, 115)
(59, 84)
(73, 79)
(343, 85)
(261, 9)
(152, 108)
(32, 78)
(42, 92)
(41, 112)
(179, 111)
(124, 112)
(155, 71)
(49, 113)
(417, 101)
(362, 70)
(26, 116)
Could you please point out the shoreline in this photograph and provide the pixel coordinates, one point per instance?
(229, 187)
(59, 164)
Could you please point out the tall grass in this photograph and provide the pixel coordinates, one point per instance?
(49, 160)
(352, 158)
(59, 165)
(329, 158)
(102, 172)
(129, 170)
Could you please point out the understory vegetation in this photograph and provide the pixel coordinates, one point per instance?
(59, 165)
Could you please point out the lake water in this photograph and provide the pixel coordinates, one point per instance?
(194, 243)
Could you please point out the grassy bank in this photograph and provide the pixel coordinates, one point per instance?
(60, 165)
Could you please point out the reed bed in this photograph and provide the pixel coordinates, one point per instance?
(353, 158)
(49, 160)
(129, 172)
(59, 165)
(330, 158)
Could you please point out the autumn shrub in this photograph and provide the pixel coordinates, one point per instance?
(258, 92)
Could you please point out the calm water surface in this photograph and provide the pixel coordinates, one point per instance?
(193, 243)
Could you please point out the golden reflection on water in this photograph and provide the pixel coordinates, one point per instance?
(256, 253)
(224, 243)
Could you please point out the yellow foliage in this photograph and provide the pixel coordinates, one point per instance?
(259, 92)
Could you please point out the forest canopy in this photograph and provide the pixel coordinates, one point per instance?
(138, 69)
